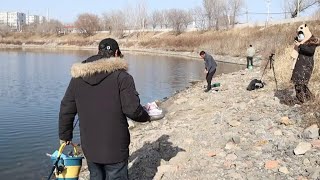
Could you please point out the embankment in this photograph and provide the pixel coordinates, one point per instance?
(226, 134)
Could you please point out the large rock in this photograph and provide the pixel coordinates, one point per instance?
(284, 170)
(302, 148)
(311, 132)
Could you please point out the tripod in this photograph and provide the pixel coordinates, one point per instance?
(271, 63)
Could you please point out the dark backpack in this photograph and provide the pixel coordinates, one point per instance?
(255, 84)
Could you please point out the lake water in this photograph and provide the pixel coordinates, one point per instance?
(33, 82)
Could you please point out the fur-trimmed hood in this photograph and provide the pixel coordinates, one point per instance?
(94, 72)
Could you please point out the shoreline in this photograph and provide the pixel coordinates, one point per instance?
(186, 55)
(226, 134)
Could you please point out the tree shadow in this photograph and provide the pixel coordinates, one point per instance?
(286, 96)
(147, 159)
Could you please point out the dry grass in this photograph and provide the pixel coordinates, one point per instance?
(233, 42)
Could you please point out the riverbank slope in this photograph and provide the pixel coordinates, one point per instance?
(230, 133)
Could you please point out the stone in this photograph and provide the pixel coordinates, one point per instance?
(180, 158)
(278, 133)
(230, 145)
(302, 148)
(211, 154)
(231, 157)
(284, 170)
(306, 162)
(236, 139)
(316, 144)
(311, 132)
(271, 165)
(286, 121)
(234, 123)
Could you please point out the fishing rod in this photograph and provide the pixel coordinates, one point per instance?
(55, 164)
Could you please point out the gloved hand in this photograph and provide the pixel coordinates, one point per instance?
(63, 141)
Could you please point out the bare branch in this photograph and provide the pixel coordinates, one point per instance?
(294, 8)
(87, 23)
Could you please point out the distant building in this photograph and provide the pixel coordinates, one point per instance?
(69, 28)
(32, 19)
(15, 20)
(42, 19)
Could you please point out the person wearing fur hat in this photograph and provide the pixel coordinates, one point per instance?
(103, 95)
(304, 50)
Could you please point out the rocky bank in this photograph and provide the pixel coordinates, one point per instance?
(228, 133)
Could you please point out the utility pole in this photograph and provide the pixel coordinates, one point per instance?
(268, 15)
(247, 13)
(298, 8)
(48, 15)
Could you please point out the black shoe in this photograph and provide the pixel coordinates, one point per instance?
(207, 90)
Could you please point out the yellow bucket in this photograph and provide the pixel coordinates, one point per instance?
(71, 165)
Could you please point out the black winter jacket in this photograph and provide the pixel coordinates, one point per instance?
(103, 94)
(304, 66)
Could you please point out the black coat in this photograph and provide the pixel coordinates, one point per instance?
(103, 94)
(304, 66)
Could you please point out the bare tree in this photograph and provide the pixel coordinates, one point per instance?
(115, 22)
(87, 23)
(49, 27)
(235, 8)
(187, 18)
(4, 30)
(214, 12)
(317, 15)
(142, 14)
(177, 18)
(155, 19)
(136, 15)
(165, 18)
(199, 17)
(297, 6)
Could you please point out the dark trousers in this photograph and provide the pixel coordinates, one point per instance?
(303, 93)
(249, 61)
(209, 79)
(118, 171)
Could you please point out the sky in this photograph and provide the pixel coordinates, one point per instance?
(68, 10)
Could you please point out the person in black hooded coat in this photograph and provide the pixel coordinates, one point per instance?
(303, 69)
(103, 95)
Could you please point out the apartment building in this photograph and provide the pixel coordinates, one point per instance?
(33, 19)
(15, 20)
(42, 19)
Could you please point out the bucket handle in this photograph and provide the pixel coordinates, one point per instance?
(63, 145)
